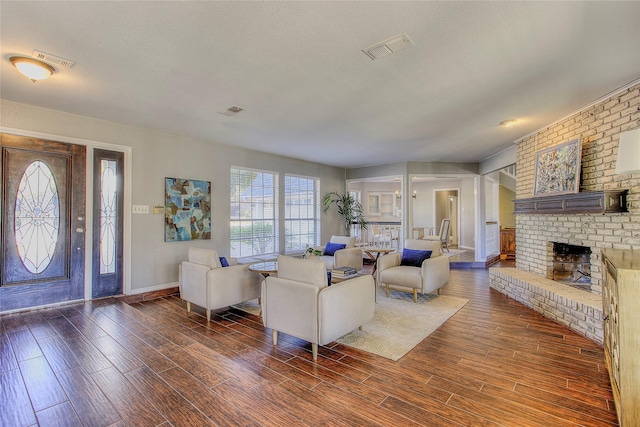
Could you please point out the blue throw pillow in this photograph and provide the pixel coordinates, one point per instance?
(224, 262)
(414, 257)
(331, 248)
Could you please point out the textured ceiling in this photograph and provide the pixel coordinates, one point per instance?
(308, 90)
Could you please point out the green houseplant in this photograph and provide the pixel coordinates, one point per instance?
(348, 208)
(310, 252)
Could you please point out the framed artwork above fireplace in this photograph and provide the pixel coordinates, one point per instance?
(557, 169)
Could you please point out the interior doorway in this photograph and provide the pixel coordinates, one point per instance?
(384, 209)
(453, 214)
(445, 206)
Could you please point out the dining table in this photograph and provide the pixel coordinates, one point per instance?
(374, 252)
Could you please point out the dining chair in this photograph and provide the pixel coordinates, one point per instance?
(443, 235)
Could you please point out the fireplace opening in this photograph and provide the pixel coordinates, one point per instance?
(572, 265)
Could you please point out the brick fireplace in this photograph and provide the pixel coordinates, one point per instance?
(532, 282)
(598, 127)
(534, 251)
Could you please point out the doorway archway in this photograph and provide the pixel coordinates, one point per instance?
(445, 206)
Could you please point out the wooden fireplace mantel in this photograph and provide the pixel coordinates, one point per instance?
(594, 202)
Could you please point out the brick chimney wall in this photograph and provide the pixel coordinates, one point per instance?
(599, 127)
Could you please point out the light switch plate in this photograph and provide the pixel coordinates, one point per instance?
(140, 209)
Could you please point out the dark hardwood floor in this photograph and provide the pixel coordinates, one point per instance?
(101, 363)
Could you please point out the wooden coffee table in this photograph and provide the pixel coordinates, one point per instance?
(338, 279)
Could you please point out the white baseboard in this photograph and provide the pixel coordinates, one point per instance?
(154, 288)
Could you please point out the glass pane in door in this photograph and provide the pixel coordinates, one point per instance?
(37, 217)
(108, 216)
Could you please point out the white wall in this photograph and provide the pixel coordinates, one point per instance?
(155, 155)
(467, 213)
(492, 197)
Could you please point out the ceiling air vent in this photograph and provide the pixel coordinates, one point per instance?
(388, 47)
(231, 110)
(52, 59)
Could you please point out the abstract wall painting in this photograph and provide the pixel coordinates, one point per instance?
(557, 169)
(187, 210)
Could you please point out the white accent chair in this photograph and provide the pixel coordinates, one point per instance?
(431, 276)
(204, 282)
(443, 235)
(299, 303)
(350, 256)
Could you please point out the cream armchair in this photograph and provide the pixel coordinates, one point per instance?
(204, 282)
(298, 302)
(350, 256)
(432, 274)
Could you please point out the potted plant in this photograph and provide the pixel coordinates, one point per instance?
(310, 252)
(348, 208)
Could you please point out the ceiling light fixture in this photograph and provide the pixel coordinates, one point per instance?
(32, 68)
(507, 123)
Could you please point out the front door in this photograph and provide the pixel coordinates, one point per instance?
(43, 222)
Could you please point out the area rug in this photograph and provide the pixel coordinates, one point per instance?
(400, 324)
(251, 307)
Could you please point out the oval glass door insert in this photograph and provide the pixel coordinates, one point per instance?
(37, 217)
